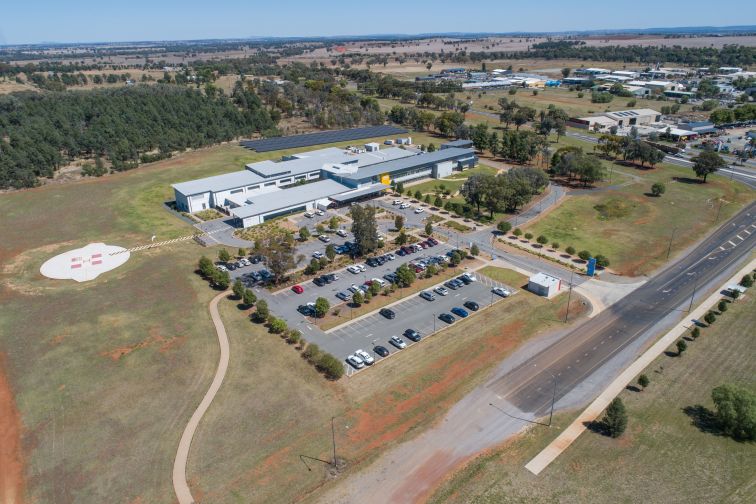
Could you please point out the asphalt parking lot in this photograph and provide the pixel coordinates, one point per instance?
(411, 313)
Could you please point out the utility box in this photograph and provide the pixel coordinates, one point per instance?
(544, 285)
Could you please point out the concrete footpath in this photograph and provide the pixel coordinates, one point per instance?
(592, 412)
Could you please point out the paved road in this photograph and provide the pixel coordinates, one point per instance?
(529, 387)
(180, 485)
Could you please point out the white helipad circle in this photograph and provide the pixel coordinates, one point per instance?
(85, 263)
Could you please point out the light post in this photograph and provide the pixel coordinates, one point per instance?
(569, 297)
(672, 237)
(553, 394)
(333, 438)
(434, 323)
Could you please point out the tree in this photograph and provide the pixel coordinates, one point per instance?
(277, 325)
(555, 245)
(374, 289)
(707, 162)
(427, 199)
(566, 72)
(570, 250)
(615, 418)
(681, 346)
(330, 252)
(333, 223)
(294, 337)
(398, 222)
(710, 318)
(602, 261)
(280, 255)
(312, 353)
(238, 288)
(528, 236)
(722, 306)
(542, 240)
(746, 281)
(405, 276)
(584, 255)
(517, 232)
(722, 116)
(221, 279)
(695, 333)
(330, 366)
(455, 258)
(261, 311)
(321, 307)
(643, 381)
(474, 250)
(735, 411)
(206, 267)
(438, 202)
(248, 298)
(400, 187)
(357, 298)
(241, 252)
(428, 228)
(304, 233)
(658, 189)
(365, 229)
(504, 227)
(401, 238)
(223, 255)
(418, 194)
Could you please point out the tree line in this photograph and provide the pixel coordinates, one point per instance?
(504, 192)
(42, 132)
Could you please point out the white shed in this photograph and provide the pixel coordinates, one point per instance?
(544, 285)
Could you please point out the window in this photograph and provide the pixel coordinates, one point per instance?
(237, 191)
(268, 184)
(285, 181)
(253, 187)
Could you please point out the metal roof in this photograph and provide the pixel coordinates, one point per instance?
(410, 162)
(218, 183)
(285, 198)
(457, 143)
(323, 137)
(347, 196)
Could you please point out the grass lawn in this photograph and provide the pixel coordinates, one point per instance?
(663, 456)
(634, 229)
(274, 407)
(478, 170)
(433, 185)
(504, 275)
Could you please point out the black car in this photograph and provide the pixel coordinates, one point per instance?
(446, 317)
(464, 280)
(412, 334)
(306, 310)
(381, 350)
(327, 278)
(319, 281)
(388, 313)
(472, 305)
(372, 262)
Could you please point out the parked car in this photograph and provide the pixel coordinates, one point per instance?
(412, 334)
(433, 241)
(472, 305)
(344, 296)
(309, 215)
(298, 289)
(308, 310)
(221, 267)
(449, 319)
(324, 238)
(464, 280)
(317, 254)
(452, 285)
(256, 259)
(419, 210)
(319, 281)
(319, 212)
(441, 291)
(390, 256)
(470, 276)
(355, 362)
(380, 282)
(331, 277)
(353, 269)
(366, 357)
(460, 312)
(427, 295)
(404, 205)
(397, 342)
(390, 277)
(397, 202)
(501, 291)
(381, 350)
(341, 233)
(388, 313)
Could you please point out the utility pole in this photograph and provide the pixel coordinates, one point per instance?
(693, 295)
(672, 237)
(569, 297)
(333, 437)
(553, 397)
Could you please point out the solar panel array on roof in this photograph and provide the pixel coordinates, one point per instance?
(323, 137)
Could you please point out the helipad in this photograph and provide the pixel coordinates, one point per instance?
(85, 263)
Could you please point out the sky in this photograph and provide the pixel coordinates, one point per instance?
(36, 21)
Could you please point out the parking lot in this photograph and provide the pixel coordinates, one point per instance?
(411, 313)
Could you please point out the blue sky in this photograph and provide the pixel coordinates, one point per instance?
(30, 21)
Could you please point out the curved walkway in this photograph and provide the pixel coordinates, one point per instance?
(180, 486)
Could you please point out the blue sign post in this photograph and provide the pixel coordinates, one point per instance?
(591, 266)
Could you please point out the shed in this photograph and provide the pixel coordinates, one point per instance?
(544, 285)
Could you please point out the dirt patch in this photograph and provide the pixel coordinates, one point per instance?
(164, 345)
(11, 459)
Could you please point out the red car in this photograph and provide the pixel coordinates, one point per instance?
(298, 289)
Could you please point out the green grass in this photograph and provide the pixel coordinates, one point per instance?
(504, 275)
(478, 170)
(456, 226)
(431, 186)
(634, 229)
(662, 457)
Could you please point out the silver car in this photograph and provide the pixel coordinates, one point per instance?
(427, 295)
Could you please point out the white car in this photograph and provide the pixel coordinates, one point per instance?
(324, 238)
(309, 215)
(354, 269)
(341, 233)
(317, 254)
(397, 202)
(221, 268)
(361, 266)
(501, 291)
(469, 276)
(442, 291)
(353, 289)
(320, 212)
(355, 362)
(404, 205)
(366, 357)
(397, 342)
(419, 210)
(379, 281)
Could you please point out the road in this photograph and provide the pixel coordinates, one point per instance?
(529, 387)
(582, 359)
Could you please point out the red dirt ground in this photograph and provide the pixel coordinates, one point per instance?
(11, 460)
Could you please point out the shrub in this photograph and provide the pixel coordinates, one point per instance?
(710, 318)
(223, 255)
(294, 337)
(248, 298)
(735, 294)
(528, 236)
(517, 232)
(570, 250)
(658, 189)
(542, 240)
(261, 311)
(643, 381)
(504, 227)
(722, 306)
(330, 366)
(277, 325)
(555, 245)
(238, 288)
(695, 333)
(580, 95)
(584, 255)
(312, 353)
(321, 307)
(602, 261)
(474, 250)
(746, 281)
(681, 346)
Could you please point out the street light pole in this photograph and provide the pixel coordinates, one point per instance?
(672, 237)
(569, 297)
(553, 397)
(333, 437)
